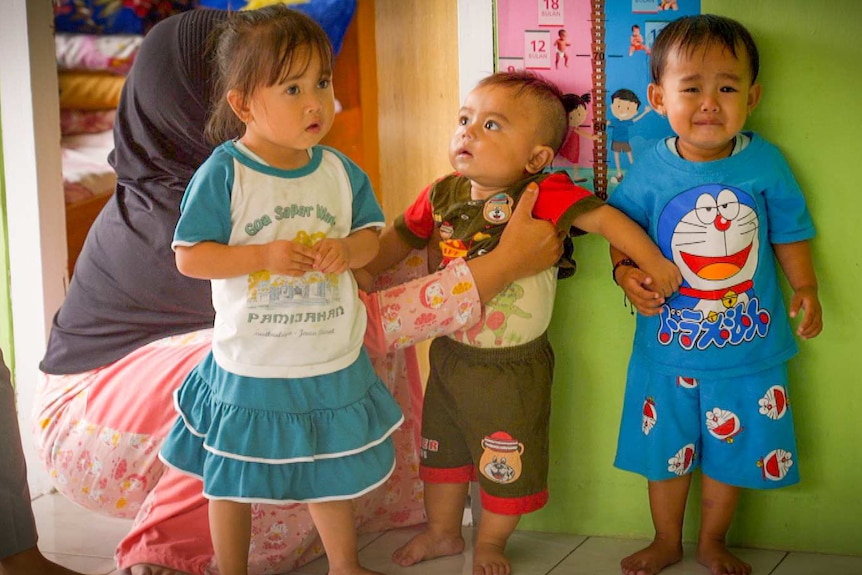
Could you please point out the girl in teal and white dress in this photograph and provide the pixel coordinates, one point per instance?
(286, 407)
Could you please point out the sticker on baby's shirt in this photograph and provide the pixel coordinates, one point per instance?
(498, 209)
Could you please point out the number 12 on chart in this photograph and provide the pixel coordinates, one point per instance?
(537, 49)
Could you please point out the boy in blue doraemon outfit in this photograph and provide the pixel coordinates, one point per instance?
(707, 380)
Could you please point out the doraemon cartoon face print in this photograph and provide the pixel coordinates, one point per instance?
(711, 233)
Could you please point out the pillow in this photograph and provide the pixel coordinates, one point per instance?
(74, 121)
(86, 171)
(114, 53)
(89, 90)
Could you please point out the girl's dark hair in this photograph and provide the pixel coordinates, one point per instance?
(554, 118)
(258, 48)
(573, 101)
(692, 33)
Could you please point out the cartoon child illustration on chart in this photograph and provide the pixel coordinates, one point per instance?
(561, 44)
(636, 42)
(624, 107)
(668, 5)
(576, 108)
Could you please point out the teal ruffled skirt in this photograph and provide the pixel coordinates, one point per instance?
(280, 440)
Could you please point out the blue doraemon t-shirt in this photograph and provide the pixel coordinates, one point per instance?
(717, 222)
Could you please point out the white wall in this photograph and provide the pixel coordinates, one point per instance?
(475, 43)
(35, 208)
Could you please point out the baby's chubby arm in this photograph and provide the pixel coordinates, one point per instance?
(392, 250)
(628, 237)
(796, 261)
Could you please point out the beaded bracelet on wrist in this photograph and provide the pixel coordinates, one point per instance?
(623, 262)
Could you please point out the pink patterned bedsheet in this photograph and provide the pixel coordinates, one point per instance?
(109, 53)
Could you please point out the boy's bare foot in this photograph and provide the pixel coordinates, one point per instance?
(714, 556)
(489, 559)
(652, 558)
(427, 545)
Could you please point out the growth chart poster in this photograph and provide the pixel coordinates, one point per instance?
(597, 53)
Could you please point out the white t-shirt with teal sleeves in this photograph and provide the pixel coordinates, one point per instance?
(271, 325)
(717, 221)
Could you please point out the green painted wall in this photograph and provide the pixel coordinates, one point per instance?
(810, 56)
(5, 304)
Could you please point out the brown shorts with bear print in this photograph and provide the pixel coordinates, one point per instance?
(486, 417)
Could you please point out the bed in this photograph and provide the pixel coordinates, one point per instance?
(96, 44)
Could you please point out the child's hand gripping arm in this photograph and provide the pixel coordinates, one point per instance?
(213, 260)
(337, 255)
(636, 284)
(795, 259)
(631, 239)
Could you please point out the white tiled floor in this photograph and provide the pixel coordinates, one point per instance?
(85, 542)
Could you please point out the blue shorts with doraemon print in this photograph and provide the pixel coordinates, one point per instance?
(738, 430)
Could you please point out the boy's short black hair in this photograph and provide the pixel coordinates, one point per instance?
(626, 95)
(690, 33)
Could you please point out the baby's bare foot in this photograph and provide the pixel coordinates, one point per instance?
(489, 559)
(714, 556)
(427, 545)
(652, 558)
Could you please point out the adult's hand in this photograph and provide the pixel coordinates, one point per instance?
(531, 245)
(527, 247)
